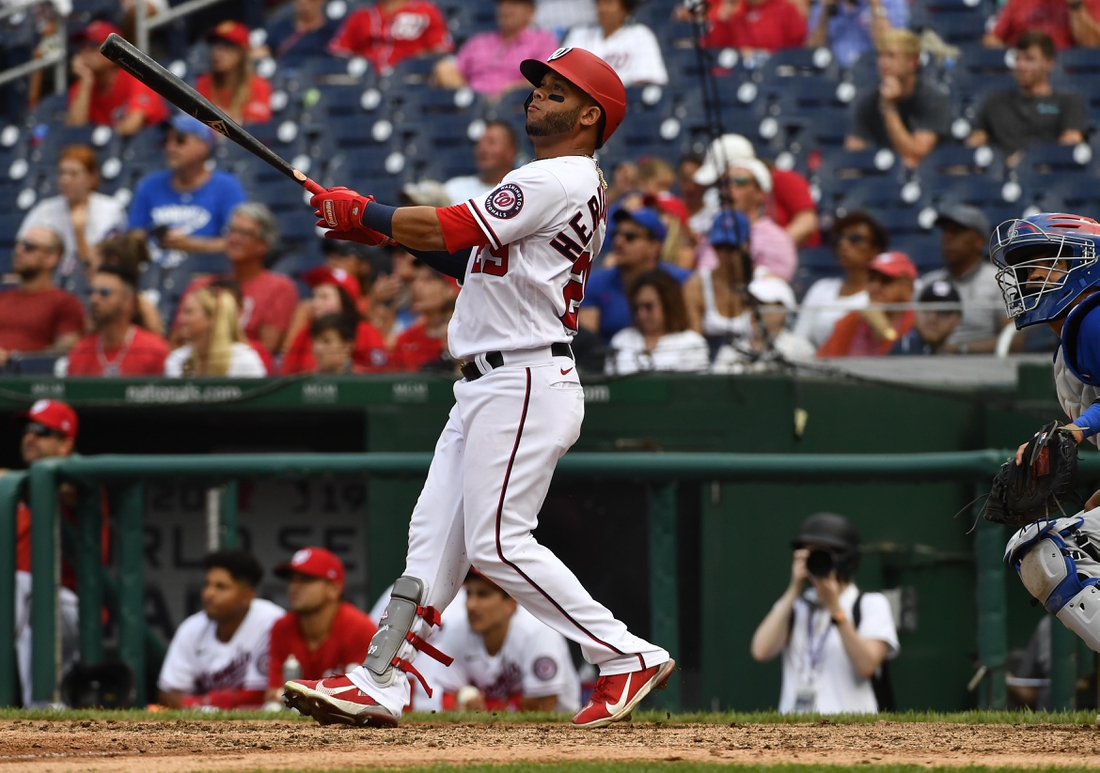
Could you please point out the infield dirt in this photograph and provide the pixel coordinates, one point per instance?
(107, 745)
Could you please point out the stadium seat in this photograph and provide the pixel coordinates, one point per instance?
(953, 161)
(1051, 162)
(877, 194)
(788, 63)
(923, 249)
(1079, 61)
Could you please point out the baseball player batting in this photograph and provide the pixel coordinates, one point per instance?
(1048, 272)
(523, 253)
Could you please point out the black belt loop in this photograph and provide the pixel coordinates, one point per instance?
(496, 359)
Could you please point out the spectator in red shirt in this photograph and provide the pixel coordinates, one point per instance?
(105, 95)
(789, 204)
(269, 298)
(231, 84)
(425, 343)
(118, 347)
(324, 634)
(755, 25)
(335, 291)
(36, 316)
(1068, 22)
(392, 30)
(873, 331)
(332, 341)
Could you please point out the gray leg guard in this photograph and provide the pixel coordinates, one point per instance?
(395, 630)
(1082, 616)
(393, 626)
(1051, 576)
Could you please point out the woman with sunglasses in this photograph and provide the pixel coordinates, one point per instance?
(80, 215)
(857, 239)
(208, 322)
(231, 84)
(660, 338)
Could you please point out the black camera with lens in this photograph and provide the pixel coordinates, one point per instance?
(821, 562)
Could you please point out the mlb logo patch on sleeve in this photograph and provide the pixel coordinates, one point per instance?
(505, 202)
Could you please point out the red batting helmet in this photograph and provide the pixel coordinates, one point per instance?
(590, 74)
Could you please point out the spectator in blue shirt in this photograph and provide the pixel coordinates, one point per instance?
(300, 32)
(851, 28)
(185, 208)
(637, 237)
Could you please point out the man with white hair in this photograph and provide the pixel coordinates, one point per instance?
(789, 204)
(747, 184)
(268, 298)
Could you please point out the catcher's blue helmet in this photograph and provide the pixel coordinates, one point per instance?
(1044, 262)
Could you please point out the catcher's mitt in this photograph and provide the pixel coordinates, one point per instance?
(1037, 488)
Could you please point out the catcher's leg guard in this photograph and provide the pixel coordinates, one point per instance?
(1051, 576)
(1081, 614)
(395, 629)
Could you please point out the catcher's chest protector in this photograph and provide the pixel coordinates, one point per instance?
(1074, 395)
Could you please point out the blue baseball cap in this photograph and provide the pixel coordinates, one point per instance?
(184, 123)
(646, 218)
(730, 228)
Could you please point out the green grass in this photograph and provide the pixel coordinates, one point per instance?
(661, 717)
(701, 767)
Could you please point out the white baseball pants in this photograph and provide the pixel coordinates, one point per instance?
(487, 482)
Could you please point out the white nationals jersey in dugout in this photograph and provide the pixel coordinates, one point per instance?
(523, 289)
(197, 662)
(534, 662)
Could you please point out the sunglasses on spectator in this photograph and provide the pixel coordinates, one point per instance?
(627, 236)
(41, 430)
(740, 180)
(242, 232)
(175, 138)
(102, 292)
(853, 238)
(647, 306)
(29, 246)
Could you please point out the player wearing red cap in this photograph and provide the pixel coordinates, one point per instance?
(523, 253)
(324, 634)
(50, 432)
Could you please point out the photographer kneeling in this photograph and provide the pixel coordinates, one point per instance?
(833, 637)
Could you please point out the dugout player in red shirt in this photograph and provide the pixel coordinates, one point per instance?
(392, 30)
(326, 635)
(104, 95)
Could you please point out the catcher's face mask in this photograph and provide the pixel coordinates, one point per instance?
(1045, 262)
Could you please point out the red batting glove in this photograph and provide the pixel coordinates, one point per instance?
(341, 210)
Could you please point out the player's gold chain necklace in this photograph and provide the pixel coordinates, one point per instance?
(599, 171)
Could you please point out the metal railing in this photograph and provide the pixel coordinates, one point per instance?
(659, 472)
(57, 58)
(144, 24)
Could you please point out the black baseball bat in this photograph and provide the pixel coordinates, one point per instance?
(141, 66)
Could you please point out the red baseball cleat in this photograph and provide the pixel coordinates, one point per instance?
(616, 696)
(336, 699)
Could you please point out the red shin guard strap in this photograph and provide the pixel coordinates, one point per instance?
(408, 668)
(428, 649)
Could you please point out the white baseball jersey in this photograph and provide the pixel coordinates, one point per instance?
(197, 662)
(523, 289)
(534, 662)
(632, 49)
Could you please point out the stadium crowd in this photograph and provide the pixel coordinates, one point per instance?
(721, 256)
